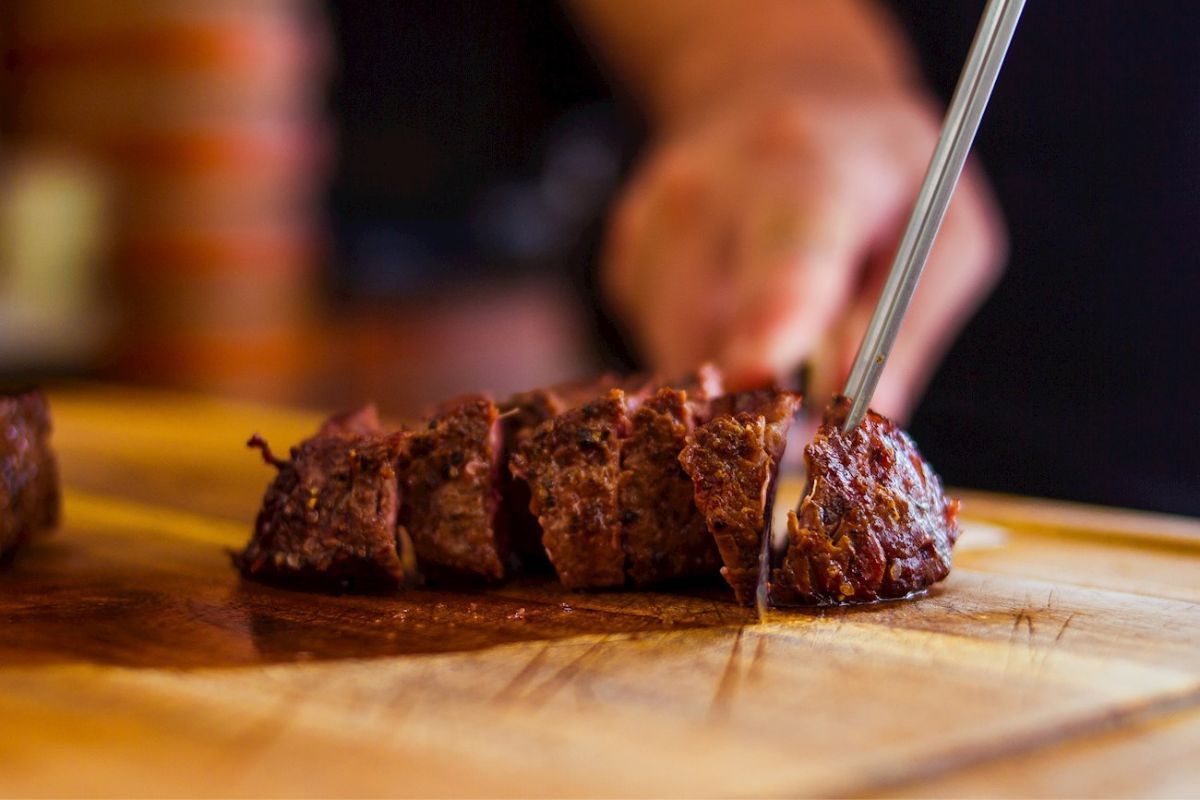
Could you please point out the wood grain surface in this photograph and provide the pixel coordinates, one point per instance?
(1062, 657)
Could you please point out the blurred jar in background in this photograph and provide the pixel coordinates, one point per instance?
(205, 119)
(53, 227)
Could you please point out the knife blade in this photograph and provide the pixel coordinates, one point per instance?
(967, 105)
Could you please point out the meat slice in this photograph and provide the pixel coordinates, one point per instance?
(29, 493)
(522, 414)
(524, 411)
(329, 518)
(733, 461)
(572, 464)
(874, 523)
(665, 536)
(452, 492)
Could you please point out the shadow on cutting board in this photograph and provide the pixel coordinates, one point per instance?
(92, 594)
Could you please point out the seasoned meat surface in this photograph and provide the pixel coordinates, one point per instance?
(329, 517)
(733, 460)
(29, 493)
(874, 523)
(636, 485)
(452, 492)
(572, 464)
(664, 534)
(522, 413)
(777, 408)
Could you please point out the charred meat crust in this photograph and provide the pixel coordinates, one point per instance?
(452, 504)
(29, 490)
(329, 517)
(640, 486)
(664, 535)
(874, 523)
(733, 460)
(522, 414)
(572, 465)
(630, 490)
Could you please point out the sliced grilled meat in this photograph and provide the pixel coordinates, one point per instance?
(451, 505)
(329, 518)
(733, 461)
(664, 534)
(572, 464)
(29, 492)
(874, 523)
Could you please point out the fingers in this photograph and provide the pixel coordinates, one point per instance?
(663, 268)
(767, 248)
(787, 299)
(800, 263)
(964, 264)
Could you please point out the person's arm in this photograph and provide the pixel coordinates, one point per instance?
(790, 140)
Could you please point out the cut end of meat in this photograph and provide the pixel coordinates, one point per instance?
(329, 517)
(29, 490)
(733, 461)
(522, 414)
(874, 523)
(452, 498)
(637, 484)
(572, 465)
(605, 485)
(665, 536)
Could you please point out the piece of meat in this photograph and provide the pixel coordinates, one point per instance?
(733, 461)
(452, 492)
(874, 523)
(665, 536)
(661, 532)
(522, 414)
(777, 407)
(328, 520)
(572, 464)
(524, 411)
(29, 491)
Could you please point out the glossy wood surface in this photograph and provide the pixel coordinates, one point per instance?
(1061, 657)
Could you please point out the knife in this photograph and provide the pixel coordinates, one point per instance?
(970, 98)
(967, 105)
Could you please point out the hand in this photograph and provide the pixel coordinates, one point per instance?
(760, 236)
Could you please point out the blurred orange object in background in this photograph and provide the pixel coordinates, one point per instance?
(204, 122)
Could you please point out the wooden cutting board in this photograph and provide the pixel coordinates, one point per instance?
(1061, 657)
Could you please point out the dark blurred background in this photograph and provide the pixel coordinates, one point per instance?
(317, 203)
